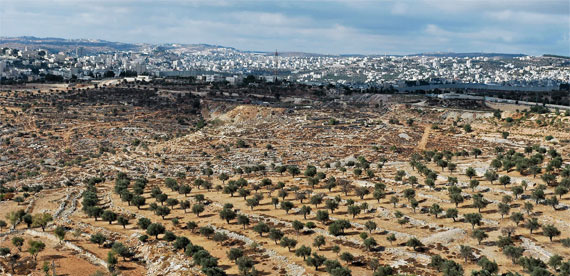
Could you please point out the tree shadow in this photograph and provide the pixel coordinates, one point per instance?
(350, 233)
(125, 268)
(51, 257)
(489, 243)
(359, 263)
(379, 248)
(266, 272)
(489, 228)
(422, 249)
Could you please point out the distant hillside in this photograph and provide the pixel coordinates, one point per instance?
(463, 55)
(96, 45)
(555, 56)
(296, 54)
(59, 44)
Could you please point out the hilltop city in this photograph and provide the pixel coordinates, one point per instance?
(40, 60)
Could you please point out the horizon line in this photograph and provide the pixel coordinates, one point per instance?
(272, 51)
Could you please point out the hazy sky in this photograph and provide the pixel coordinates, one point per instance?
(329, 27)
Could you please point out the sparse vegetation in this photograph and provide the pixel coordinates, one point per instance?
(281, 190)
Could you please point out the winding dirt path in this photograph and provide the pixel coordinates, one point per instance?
(423, 142)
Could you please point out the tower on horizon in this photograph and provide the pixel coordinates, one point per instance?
(79, 51)
(276, 65)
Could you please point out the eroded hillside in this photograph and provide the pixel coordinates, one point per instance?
(141, 182)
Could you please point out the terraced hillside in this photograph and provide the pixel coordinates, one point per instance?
(409, 189)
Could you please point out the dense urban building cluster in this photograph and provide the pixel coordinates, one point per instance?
(216, 63)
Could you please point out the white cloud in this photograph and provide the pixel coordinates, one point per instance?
(479, 6)
(399, 8)
(479, 35)
(325, 26)
(270, 19)
(529, 18)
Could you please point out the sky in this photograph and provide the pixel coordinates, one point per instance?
(315, 26)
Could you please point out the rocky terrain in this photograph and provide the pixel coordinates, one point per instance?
(149, 180)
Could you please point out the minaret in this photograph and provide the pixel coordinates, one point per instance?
(276, 61)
